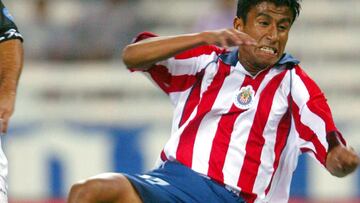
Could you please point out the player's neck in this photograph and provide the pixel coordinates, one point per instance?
(252, 69)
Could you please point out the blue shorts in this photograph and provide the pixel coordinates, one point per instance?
(174, 182)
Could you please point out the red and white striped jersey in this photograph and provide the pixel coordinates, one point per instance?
(236, 128)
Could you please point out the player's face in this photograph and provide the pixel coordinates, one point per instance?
(269, 25)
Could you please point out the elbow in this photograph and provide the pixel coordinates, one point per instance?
(126, 57)
(133, 60)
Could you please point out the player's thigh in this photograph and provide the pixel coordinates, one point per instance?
(109, 187)
(116, 186)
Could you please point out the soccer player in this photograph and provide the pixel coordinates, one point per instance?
(11, 62)
(241, 118)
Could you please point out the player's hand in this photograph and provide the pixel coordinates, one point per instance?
(228, 38)
(7, 102)
(342, 161)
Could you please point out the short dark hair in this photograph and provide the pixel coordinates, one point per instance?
(244, 6)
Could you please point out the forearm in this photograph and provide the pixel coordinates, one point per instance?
(143, 54)
(147, 52)
(11, 62)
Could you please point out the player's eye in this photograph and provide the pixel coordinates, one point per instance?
(283, 27)
(264, 23)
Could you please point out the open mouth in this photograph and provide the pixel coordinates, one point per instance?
(269, 50)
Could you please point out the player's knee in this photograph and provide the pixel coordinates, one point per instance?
(81, 191)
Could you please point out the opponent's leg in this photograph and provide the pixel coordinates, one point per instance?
(108, 187)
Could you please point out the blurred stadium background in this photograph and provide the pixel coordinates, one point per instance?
(80, 113)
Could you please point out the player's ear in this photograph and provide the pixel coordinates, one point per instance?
(238, 24)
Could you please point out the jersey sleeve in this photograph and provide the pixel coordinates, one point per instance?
(8, 29)
(180, 73)
(312, 116)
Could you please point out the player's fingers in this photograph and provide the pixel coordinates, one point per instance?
(5, 122)
(225, 39)
(348, 163)
(1, 126)
(223, 42)
(351, 149)
(353, 161)
(2, 121)
(348, 169)
(350, 157)
(234, 39)
(5, 126)
(245, 38)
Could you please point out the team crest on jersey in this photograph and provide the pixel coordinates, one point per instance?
(245, 97)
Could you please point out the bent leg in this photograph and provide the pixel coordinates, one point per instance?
(108, 187)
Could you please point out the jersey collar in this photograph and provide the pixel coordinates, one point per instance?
(231, 58)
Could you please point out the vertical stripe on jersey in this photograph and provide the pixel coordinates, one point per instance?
(308, 135)
(186, 143)
(310, 126)
(192, 100)
(307, 116)
(221, 144)
(256, 140)
(234, 159)
(224, 130)
(280, 143)
(210, 123)
(318, 103)
(272, 138)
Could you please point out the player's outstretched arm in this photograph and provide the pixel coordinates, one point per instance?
(145, 53)
(11, 62)
(341, 160)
